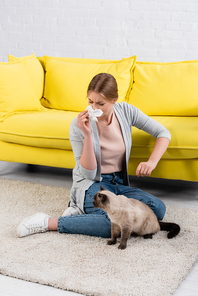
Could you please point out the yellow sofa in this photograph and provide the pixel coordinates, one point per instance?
(39, 97)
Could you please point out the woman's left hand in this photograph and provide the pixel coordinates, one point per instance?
(145, 168)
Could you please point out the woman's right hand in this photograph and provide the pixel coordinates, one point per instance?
(83, 123)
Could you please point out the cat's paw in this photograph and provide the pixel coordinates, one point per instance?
(149, 235)
(111, 242)
(122, 246)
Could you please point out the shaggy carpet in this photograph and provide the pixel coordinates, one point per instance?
(85, 264)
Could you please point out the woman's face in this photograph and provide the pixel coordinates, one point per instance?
(97, 101)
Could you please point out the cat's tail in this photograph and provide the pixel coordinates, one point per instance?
(172, 228)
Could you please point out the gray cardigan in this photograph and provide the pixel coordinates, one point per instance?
(127, 116)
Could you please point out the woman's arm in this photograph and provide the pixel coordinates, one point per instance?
(88, 159)
(154, 128)
(145, 168)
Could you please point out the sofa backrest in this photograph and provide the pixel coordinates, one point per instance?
(166, 88)
(67, 79)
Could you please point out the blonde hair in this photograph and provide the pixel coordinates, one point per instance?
(104, 84)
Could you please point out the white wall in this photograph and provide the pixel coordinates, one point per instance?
(154, 30)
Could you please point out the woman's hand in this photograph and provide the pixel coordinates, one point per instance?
(145, 168)
(83, 123)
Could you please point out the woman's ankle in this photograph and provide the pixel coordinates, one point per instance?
(52, 224)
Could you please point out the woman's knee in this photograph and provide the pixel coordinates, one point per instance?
(160, 210)
(158, 207)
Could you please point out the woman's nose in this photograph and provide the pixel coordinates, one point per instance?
(93, 106)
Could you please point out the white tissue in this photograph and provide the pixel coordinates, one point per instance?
(93, 113)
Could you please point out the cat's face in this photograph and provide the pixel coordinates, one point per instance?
(101, 199)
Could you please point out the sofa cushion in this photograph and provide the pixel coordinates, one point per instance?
(50, 129)
(183, 144)
(166, 88)
(45, 129)
(17, 92)
(66, 82)
(77, 60)
(35, 70)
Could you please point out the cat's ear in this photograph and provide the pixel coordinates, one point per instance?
(102, 188)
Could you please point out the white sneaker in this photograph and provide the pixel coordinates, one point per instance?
(33, 224)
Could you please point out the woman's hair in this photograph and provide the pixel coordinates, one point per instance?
(104, 84)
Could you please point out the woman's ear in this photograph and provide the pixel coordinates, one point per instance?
(114, 101)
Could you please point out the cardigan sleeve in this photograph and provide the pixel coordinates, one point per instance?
(77, 141)
(143, 122)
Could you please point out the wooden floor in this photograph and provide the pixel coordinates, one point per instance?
(175, 193)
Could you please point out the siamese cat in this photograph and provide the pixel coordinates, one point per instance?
(130, 217)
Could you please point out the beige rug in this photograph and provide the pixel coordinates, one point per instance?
(85, 264)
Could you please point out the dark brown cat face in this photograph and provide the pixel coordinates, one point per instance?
(100, 200)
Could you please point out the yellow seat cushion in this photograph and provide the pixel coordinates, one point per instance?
(44, 129)
(66, 82)
(17, 92)
(50, 129)
(183, 144)
(36, 72)
(166, 88)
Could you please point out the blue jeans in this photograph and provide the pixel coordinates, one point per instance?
(96, 221)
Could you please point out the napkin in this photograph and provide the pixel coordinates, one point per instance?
(93, 113)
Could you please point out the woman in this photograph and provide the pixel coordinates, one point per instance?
(101, 150)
